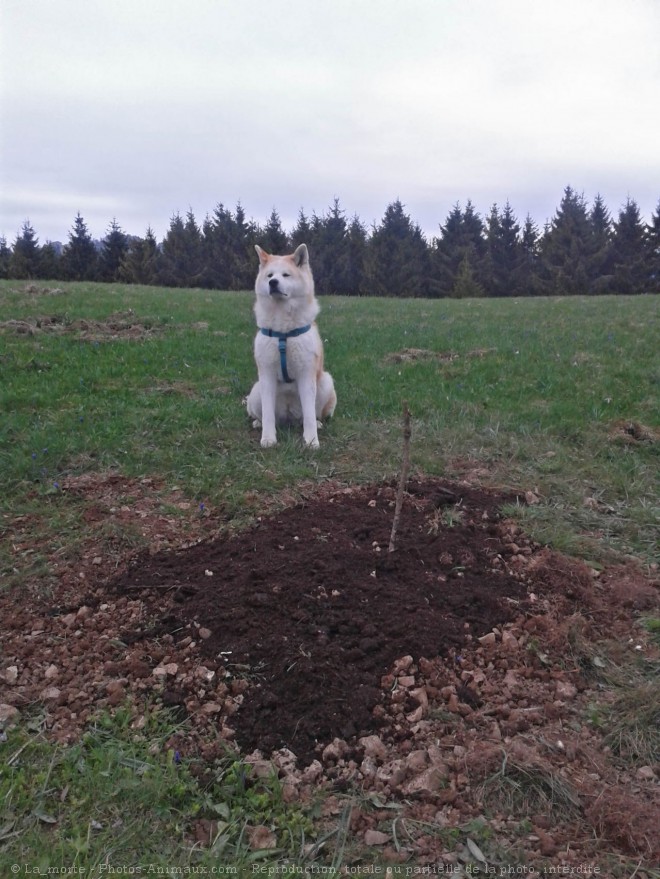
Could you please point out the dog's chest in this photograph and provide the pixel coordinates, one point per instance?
(300, 354)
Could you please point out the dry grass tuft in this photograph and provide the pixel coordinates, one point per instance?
(526, 788)
(634, 732)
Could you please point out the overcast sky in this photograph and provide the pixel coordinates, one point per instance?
(137, 109)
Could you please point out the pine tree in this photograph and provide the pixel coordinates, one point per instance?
(511, 247)
(244, 237)
(473, 230)
(653, 251)
(600, 265)
(461, 235)
(24, 260)
(227, 242)
(208, 246)
(113, 250)
(503, 253)
(194, 251)
(356, 246)
(49, 262)
(397, 258)
(466, 285)
(446, 253)
(330, 263)
(140, 265)
(632, 266)
(527, 280)
(567, 247)
(217, 244)
(302, 232)
(491, 273)
(5, 256)
(273, 238)
(79, 257)
(316, 228)
(174, 264)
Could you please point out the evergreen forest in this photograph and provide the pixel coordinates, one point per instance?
(583, 250)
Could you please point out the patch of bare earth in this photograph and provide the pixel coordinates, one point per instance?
(450, 681)
(633, 432)
(38, 290)
(414, 355)
(122, 325)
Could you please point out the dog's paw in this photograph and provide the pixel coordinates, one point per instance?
(256, 424)
(268, 442)
(313, 443)
(319, 425)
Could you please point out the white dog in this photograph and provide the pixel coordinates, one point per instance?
(288, 350)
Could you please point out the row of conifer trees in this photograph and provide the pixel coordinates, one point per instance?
(582, 250)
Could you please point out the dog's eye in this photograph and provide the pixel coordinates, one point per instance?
(285, 274)
(270, 274)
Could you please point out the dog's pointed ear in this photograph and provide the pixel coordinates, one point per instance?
(263, 256)
(300, 255)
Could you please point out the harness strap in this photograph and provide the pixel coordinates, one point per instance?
(281, 344)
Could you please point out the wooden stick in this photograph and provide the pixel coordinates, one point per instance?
(403, 477)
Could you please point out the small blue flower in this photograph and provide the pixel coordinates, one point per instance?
(177, 757)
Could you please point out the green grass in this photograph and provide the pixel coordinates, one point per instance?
(652, 625)
(121, 797)
(530, 398)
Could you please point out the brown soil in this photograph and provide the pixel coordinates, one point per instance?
(633, 432)
(122, 325)
(412, 355)
(434, 679)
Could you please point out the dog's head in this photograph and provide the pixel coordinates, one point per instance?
(284, 277)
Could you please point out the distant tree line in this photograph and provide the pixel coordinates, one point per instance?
(582, 250)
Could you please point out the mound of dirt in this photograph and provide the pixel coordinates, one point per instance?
(312, 607)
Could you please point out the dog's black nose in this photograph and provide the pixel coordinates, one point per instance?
(274, 285)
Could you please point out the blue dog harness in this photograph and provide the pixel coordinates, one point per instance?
(281, 344)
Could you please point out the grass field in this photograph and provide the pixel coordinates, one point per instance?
(554, 396)
(539, 393)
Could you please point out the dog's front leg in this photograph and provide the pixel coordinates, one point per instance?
(268, 383)
(307, 392)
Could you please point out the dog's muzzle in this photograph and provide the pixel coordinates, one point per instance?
(274, 287)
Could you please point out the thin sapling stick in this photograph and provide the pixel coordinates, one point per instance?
(403, 476)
